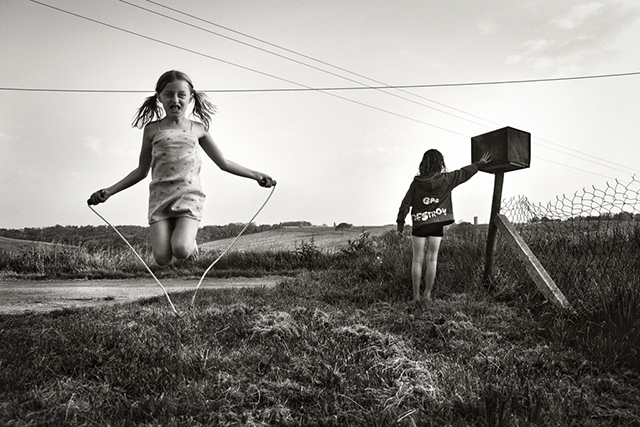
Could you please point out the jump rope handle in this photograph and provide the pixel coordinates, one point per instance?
(264, 181)
(102, 194)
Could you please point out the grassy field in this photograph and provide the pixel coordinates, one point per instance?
(276, 252)
(333, 344)
(8, 244)
(289, 239)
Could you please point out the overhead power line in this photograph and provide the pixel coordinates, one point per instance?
(301, 87)
(384, 87)
(628, 169)
(305, 88)
(364, 85)
(243, 67)
(573, 167)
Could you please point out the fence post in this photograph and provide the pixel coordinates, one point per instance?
(510, 150)
(493, 229)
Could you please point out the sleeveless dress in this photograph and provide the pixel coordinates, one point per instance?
(175, 189)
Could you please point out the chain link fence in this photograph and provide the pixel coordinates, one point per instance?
(589, 242)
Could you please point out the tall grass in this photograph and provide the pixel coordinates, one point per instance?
(333, 344)
(600, 280)
(63, 262)
(607, 322)
(302, 354)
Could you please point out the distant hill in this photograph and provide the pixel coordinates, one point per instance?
(287, 239)
(280, 239)
(9, 244)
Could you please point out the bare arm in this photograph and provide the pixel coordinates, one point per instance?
(135, 176)
(213, 151)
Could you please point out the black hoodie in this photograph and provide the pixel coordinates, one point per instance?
(430, 198)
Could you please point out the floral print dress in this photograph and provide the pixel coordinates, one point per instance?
(175, 189)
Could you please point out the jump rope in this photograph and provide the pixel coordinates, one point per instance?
(193, 299)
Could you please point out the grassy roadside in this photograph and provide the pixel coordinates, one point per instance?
(301, 354)
(52, 262)
(334, 344)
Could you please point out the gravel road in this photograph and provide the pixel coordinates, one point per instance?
(21, 296)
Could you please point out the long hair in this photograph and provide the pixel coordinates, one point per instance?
(432, 163)
(151, 109)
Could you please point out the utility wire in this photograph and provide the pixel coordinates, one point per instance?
(383, 89)
(307, 88)
(384, 85)
(587, 154)
(244, 67)
(573, 167)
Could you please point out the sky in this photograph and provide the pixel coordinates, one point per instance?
(338, 156)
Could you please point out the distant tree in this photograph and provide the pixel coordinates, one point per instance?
(296, 224)
(343, 226)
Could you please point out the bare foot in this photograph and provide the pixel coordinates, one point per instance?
(414, 306)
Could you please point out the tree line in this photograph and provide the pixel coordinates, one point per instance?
(102, 236)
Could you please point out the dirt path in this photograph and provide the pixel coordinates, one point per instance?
(27, 296)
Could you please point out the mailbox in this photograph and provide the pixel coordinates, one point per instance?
(510, 149)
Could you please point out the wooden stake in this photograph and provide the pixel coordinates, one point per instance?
(536, 271)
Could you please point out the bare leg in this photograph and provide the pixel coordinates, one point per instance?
(183, 239)
(433, 246)
(417, 244)
(173, 237)
(160, 234)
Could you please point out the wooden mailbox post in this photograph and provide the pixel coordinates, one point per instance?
(510, 150)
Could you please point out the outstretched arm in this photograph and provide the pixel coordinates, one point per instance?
(213, 151)
(135, 176)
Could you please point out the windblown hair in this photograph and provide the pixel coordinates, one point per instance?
(432, 163)
(151, 109)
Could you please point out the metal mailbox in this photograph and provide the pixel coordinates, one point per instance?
(510, 149)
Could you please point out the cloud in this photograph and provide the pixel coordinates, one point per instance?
(578, 15)
(569, 36)
(540, 44)
(543, 63)
(94, 144)
(514, 59)
(487, 27)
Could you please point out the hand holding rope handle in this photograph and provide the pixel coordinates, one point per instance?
(102, 194)
(267, 182)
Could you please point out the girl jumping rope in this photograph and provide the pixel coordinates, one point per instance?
(170, 149)
(429, 199)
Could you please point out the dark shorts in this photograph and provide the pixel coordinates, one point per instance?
(435, 230)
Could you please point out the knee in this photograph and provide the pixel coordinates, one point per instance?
(432, 257)
(162, 258)
(182, 251)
